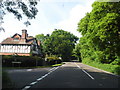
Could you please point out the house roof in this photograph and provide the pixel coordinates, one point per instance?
(12, 40)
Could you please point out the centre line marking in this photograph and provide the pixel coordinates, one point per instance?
(31, 84)
(29, 70)
(84, 71)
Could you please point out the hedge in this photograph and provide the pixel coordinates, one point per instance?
(107, 67)
(53, 60)
(26, 61)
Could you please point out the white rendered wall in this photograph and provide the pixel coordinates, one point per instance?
(15, 49)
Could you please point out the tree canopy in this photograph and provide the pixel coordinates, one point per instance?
(101, 33)
(20, 9)
(60, 43)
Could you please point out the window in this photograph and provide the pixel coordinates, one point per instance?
(16, 39)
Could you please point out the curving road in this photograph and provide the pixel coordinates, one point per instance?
(69, 75)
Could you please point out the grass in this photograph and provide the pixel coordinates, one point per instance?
(56, 65)
(115, 69)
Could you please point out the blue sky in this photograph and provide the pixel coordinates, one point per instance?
(53, 14)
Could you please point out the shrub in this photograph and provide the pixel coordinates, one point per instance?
(26, 61)
(107, 67)
(116, 61)
(53, 60)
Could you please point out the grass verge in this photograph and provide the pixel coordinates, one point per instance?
(115, 69)
(56, 65)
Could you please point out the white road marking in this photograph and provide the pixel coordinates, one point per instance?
(84, 71)
(29, 70)
(33, 83)
(39, 79)
(27, 87)
(103, 70)
(88, 74)
(51, 70)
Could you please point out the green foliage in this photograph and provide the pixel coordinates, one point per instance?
(53, 60)
(76, 52)
(107, 67)
(26, 61)
(19, 8)
(42, 38)
(101, 33)
(116, 61)
(60, 43)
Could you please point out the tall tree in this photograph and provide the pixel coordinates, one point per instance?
(101, 33)
(20, 9)
(61, 43)
(76, 52)
(42, 38)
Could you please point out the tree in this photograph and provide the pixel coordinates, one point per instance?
(101, 33)
(76, 52)
(61, 43)
(19, 8)
(42, 38)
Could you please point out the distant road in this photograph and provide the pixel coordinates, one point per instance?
(69, 75)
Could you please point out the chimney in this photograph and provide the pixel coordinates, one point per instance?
(24, 34)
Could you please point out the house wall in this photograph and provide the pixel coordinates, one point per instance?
(34, 48)
(20, 54)
(10, 49)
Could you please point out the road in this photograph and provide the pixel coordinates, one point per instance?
(69, 75)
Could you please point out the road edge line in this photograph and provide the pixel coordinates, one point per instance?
(85, 72)
(102, 70)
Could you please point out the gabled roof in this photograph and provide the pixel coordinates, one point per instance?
(15, 35)
(11, 40)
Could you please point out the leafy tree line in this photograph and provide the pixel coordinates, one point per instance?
(60, 43)
(100, 29)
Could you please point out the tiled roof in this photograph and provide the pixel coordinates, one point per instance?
(10, 40)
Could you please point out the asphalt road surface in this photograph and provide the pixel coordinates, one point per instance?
(69, 75)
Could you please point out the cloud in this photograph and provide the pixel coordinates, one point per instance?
(65, 0)
(75, 15)
(44, 23)
(11, 26)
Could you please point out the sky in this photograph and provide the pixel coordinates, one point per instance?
(53, 14)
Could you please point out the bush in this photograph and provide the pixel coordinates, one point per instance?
(26, 61)
(53, 60)
(107, 67)
(116, 61)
